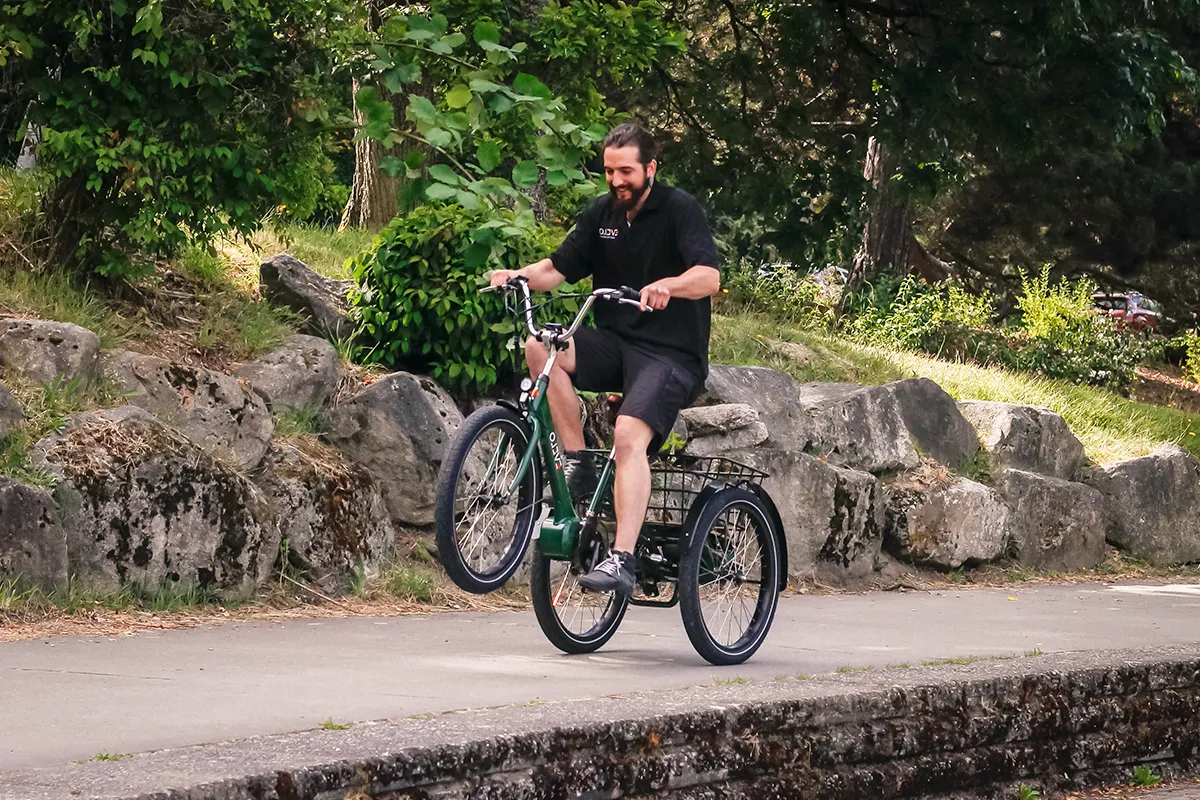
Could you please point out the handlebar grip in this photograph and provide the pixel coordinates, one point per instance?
(629, 293)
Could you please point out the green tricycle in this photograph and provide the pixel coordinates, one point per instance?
(712, 540)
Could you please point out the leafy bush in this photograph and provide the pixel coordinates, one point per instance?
(418, 300)
(1191, 362)
(938, 318)
(1065, 338)
(778, 290)
(162, 124)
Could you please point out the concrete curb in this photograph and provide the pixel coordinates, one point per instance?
(978, 730)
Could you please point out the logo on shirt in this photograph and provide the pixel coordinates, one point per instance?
(609, 233)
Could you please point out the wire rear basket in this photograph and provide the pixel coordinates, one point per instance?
(676, 480)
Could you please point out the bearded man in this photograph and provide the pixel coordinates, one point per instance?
(656, 239)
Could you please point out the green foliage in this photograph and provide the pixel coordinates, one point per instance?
(418, 300)
(1144, 776)
(1025, 792)
(1057, 334)
(778, 290)
(413, 583)
(492, 129)
(163, 123)
(1066, 339)
(294, 422)
(1191, 362)
(912, 314)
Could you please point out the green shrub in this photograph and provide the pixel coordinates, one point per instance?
(418, 301)
(1191, 362)
(1065, 338)
(911, 314)
(778, 290)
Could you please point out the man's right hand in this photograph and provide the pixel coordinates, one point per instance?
(502, 276)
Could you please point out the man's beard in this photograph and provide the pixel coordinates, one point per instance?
(636, 195)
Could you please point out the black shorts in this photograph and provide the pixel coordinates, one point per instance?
(655, 387)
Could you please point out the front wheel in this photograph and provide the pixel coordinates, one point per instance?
(729, 577)
(482, 531)
(574, 619)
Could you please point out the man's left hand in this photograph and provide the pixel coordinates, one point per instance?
(655, 295)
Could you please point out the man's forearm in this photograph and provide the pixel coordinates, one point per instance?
(542, 275)
(699, 281)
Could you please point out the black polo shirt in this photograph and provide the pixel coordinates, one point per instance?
(667, 237)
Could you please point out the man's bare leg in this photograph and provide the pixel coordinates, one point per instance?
(564, 403)
(632, 488)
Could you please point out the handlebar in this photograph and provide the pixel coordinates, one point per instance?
(626, 295)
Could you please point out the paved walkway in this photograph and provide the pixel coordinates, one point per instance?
(75, 698)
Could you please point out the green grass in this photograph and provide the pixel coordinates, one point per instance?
(21, 600)
(293, 422)
(54, 295)
(245, 327)
(414, 583)
(47, 408)
(1111, 427)
(738, 681)
(1145, 777)
(330, 725)
(325, 250)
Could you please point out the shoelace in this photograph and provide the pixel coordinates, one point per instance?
(610, 566)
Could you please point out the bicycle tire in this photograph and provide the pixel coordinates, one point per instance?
(546, 592)
(706, 562)
(463, 569)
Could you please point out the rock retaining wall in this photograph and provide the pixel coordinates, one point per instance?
(979, 731)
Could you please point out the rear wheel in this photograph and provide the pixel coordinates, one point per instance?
(574, 619)
(482, 532)
(729, 577)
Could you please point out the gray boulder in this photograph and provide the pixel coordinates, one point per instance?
(711, 430)
(1153, 505)
(884, 428)
(43, 352)
(321, 301)
(856, 427)
(947, 524)
(11, 414)
(934, 422)
(143, 504)
(399, 429)
(832, 517)
(33, 545)
(771, 393)
(300, 374)
(1053, 524)
(332, 519)
(1027, 438)
(215, 410)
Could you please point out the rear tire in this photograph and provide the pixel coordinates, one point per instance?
(481, 541)
(729, 577)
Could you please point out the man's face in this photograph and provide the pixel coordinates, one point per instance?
(628, 179)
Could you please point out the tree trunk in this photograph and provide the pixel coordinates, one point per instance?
(888, 244)
(373, 199)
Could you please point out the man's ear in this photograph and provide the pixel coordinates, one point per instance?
(651, 169)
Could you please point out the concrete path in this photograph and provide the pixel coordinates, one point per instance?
(74, 698)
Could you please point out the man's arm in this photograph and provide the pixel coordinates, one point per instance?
(697, 282)
(542, 275)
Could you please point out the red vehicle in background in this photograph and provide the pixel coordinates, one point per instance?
(1132, 311)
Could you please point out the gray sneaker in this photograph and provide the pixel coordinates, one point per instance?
(614, 574)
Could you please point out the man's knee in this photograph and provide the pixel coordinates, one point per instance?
(631, 438)
(535, 354)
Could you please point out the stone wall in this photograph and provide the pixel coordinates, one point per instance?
(863, 476)
(1052, 722)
